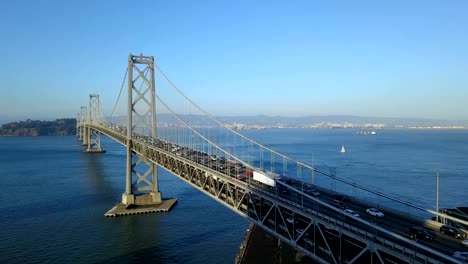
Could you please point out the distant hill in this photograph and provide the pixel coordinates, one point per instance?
(67, 126)
(59, 127)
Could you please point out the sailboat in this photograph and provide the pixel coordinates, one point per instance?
(343, 150)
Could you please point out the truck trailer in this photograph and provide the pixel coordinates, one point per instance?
(265, 178)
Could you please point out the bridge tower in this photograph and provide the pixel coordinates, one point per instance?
(93, 137)
(78, 132)
(84, 120)
(80, 123)
(141, 175)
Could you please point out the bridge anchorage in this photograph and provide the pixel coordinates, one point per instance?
(284, 206)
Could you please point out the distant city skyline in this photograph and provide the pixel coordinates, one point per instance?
(394, 59)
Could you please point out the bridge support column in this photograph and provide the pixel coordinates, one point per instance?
(142, 175)
(85, 135)
(128, 199)
(141, 190)
(93, 137)
(80, 121)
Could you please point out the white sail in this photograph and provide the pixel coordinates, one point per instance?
(343, 150)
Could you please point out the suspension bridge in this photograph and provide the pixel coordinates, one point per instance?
(161, 127)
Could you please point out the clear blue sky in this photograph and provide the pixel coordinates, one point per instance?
(289, 58)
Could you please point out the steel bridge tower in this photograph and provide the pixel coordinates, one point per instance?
(80, 122)
(141, 175)
(93, 137)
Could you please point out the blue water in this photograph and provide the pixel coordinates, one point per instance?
(400, 163)
(53, 196)
(53, 199)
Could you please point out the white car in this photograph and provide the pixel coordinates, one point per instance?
(299, 232)
(351, 212)
(465, 243)
(309, 242)
(374, 212)
(461, 255)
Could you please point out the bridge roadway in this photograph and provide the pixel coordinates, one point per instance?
(310, 224)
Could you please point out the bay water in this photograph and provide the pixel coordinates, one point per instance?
(53, 196)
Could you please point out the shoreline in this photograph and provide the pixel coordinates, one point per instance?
(309, 128)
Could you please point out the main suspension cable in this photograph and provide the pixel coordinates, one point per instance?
(120, 92)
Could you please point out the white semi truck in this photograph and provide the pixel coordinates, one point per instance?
(267, 178)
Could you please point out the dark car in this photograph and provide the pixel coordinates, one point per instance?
(312, 192)
(282, 189)
(452, 231)
(338, 203)
(340, 197)
(417, 232)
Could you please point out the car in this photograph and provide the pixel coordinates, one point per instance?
(309, 242)
(341, 197)
(312, 192)
(238, 165)
(460, 255)
(452, 231)
(299, 231)
(338, 197)
(281, 189)
(374, 212)
(417, 232)
(351, 212)
(338, 203)
(240, 177)
(465, 243)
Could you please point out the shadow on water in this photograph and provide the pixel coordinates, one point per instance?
(148, 255)
(74, 185)
(41, 209)
(97, 178)
(165, 252)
